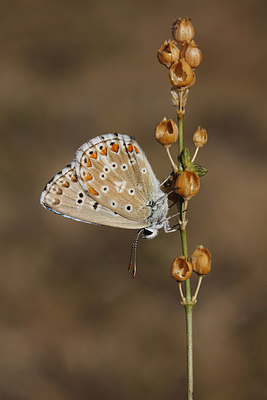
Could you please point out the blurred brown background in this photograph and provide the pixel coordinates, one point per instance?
(74, 325)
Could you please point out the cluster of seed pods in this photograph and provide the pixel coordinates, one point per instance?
(182, 61)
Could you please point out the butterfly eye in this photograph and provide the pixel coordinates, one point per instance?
(150, 233)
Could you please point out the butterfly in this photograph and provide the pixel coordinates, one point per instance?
(111, 183)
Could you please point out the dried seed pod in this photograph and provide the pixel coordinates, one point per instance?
(181, 269)
(192, 54)
(181, 74)
(166, 132)
(201, 260)
(183, 30)
(168, 53)
(187, 184)
(200, 137)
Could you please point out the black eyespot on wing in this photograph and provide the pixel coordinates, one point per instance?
(95, 205)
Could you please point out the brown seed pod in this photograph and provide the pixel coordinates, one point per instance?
(168, 53)
(183, 30)
(181, 269)
(187, 184)
(181, 74)
(192, 54)
(166, 132)
(201, 260)
(200, 137)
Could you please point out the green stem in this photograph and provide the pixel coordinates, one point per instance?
(188, 304)
(189, 346)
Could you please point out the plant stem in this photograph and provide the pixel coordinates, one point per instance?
(188, 305)
(180, 141)
(174, 166)
(194, 298)
(194, 156)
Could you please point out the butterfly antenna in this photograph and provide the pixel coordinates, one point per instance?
(132, 264)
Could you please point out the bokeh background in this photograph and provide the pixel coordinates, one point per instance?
(74, 325)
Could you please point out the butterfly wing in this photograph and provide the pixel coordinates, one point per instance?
(115, 172)
(64, 195)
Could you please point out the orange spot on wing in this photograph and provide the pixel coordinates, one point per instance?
(93, 155)
(136, 150)
(93, 191)
(104, 151)
(130, 148)
(88, 177)
(89, 164)
(115, 147)
(74, 178)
